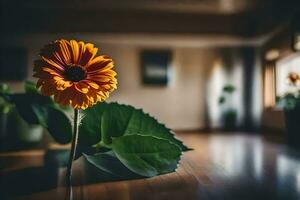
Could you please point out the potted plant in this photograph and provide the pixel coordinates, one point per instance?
(5, 109)
(15, 131)
(229, 113)
(290, 102)
(28, 133)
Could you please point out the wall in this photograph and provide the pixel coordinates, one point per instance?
(199, 71)
(181, 104)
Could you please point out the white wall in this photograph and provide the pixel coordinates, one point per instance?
(181, 104)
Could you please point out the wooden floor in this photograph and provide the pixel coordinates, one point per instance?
(222, 166)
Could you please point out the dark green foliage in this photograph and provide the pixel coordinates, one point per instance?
(147, 155)
(228, 88)
(105, 121)
(4, 89)
(146, 147)
(109, 163)
(229, 115)
(37, 109)
(222, 100)
(30, 87)
(120, 140)
(289, 101)
(5, 106)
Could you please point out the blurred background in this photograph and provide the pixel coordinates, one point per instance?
(199, 66)
(211, 44)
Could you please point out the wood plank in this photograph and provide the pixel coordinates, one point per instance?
(221, 166)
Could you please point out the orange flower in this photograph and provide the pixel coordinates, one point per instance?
(72, 72)
(293, 78)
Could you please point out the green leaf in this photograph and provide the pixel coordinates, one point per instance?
(24, 102)
(37, 109)
(109, 163)
(147, 155)
(90, 128)
(5, 106)
(144, 124)
(55, 121)
(110, 127)
(4, 88)
(30, 87)
(105, 121)
(59, 126)
(222, 100)
(229, 88)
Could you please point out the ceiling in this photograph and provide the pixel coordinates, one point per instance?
(245, 18)
(183, 6)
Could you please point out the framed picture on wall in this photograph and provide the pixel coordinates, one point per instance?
(295, 30)
(13, 64)
(155, 66)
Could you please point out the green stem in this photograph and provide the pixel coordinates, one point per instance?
(73, 147)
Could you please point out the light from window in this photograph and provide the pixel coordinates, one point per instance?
(285, 68)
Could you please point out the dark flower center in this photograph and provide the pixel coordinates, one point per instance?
(75, 73)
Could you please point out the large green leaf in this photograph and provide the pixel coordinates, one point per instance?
(110, 127)
(90, 129)
(109, 120)
(147, 155)
(109, 163)
(55, 121)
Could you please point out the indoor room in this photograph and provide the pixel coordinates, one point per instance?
(150, 99)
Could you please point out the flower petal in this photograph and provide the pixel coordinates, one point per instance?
(82, 87)
(75, 51)
(100, 63)
(92, 84)
(88, 54)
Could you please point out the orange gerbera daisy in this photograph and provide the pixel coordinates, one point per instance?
(293, 78)
(72, 72)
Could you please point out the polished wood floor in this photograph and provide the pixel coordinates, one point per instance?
(222, 166)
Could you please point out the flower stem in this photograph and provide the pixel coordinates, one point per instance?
(73, 147)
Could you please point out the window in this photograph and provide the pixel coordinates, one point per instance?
(284, 68)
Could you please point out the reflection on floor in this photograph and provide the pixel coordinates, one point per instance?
(244, 166)
(221, 166)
